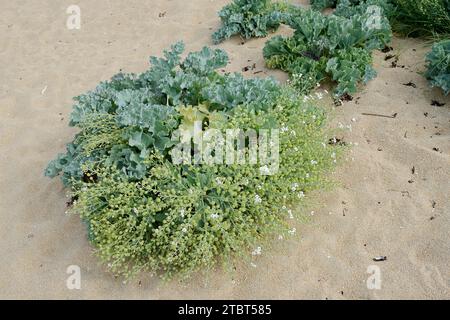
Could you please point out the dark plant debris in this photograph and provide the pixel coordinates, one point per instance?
(410, 84)
(247, 68)
(437, 103)
(346, 97)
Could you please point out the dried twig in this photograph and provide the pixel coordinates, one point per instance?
(380, 115)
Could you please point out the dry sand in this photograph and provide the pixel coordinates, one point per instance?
(376, 211)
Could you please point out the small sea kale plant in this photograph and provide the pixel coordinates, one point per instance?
(249, 18)
(144, 211)
(438, 69)
(333, 46)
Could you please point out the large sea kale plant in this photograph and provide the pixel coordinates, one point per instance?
(146, 212)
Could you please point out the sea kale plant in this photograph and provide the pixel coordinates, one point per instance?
(334, 47)
(350, 7)
(438, 69)
(146, 212)
(249, 18)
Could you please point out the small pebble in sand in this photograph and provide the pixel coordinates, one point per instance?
(380, 258)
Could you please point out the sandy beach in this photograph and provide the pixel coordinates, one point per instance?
(393, 197)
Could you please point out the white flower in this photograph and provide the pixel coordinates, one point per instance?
(312, 213)
(283, 207)
(257, 199)
(294, 187)
(291, 216)
(280, 237)
(257, 251)
(284, 129)
(182, 213)
(333, 155)
(214, 215)
(219, 180)
(184, 230)
(307, 175)
(314, 162)
(301, 194)
(135, 210)
(253, 265)
(293, 231)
